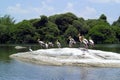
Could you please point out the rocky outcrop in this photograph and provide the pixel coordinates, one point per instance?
(70, 56)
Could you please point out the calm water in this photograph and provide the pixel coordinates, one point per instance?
(16, 70)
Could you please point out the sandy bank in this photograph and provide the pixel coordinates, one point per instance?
(70, 56)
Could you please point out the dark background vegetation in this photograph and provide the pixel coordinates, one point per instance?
(58, 27)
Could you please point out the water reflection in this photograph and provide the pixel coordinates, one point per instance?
(4, 52)
(84, 73)
(108, 47)
(11, 69)
(16, 70)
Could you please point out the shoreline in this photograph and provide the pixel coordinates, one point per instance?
(70, 57)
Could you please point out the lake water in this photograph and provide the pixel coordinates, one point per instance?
(11, 69)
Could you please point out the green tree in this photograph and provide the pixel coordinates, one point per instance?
(49, 32)
(24, 32)
(6, 23)
(93, 22)
(43, 20)
(81, 26)
(102, 34)
(116, 29)
(53, 18)
(39, 23)
(103, 17)
(64, 20)
(4, 34)
(7, 20)
(117, 23)
(71, 31)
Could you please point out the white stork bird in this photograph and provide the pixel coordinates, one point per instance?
(58, 44)
(91, 42)
(71, 42)
(30, 49)
(42, 44)
(46, 46)
(50, 44)
(85, 42)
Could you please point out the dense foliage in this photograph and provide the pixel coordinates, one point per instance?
(58, 27)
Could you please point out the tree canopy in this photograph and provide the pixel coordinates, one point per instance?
(58, 27)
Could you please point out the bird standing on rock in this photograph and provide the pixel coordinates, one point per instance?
(30, 49)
